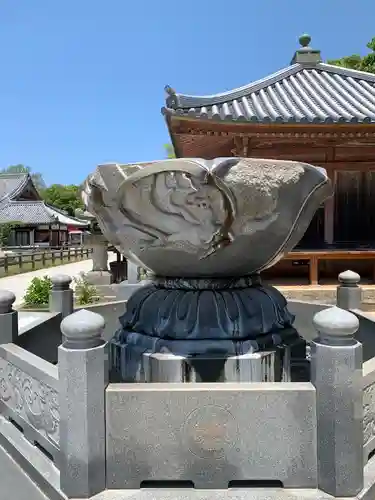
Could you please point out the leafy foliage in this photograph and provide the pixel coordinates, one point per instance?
(5, 231)
(22, 169)
(37, 292)
(85, 293)
(169, 151)
(142, 274)
(355, 61)
(67, 198)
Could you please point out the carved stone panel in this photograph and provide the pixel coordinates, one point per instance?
(31, 400)
(369, 413)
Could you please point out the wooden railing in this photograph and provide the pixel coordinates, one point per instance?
(312, 257)
(31, 259)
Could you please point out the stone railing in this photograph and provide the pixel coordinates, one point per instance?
(100, 435)
(369, 407)
(119, 429)
(29, 385)
(29, 397)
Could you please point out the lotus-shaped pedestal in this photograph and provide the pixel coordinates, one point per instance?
(227, 217)
(206, 229)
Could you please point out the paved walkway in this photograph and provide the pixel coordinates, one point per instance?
(15, 483)
(19, 283)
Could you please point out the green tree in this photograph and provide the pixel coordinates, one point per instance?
(5, 232)
(355, 61)
(22, 169)
(67, 198)
(169, 151)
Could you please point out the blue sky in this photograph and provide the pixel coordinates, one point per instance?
(82, 80)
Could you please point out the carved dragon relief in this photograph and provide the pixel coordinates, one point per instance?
(369, 413)
(196, 202)
(32, 400)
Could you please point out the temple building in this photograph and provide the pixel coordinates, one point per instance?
(309, 111)
(35, 222)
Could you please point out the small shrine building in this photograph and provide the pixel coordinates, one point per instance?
(309, 111)
(35, 222)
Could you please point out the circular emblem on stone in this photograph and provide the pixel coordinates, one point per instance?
(210, 432)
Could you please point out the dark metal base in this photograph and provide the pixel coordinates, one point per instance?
(201, 319)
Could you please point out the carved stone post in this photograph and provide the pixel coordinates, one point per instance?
(83, 374)
(349, 293)
(61, 295)
(336, 372)
(100, 275)
(132, 273)
(8, 318)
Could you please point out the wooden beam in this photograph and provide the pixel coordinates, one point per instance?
(334, 130)
(352, 164)
(241, 146)
(236, 151)
(330, 154)
(245, 141)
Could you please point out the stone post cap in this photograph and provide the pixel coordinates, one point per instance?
(82, 330)
(335, 322)
(7, 299)
(349, 278)
(61, 281)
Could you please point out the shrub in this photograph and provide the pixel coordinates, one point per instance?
(38, 291)
(84, 292)
(5, 232)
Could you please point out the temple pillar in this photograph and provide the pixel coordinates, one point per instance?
(329, 220)
(329, 212)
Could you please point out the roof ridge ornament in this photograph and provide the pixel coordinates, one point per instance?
(171, 101)
(306, 54)
(304, 40)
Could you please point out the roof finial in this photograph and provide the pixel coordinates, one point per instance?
(306, 54)
(305, 40)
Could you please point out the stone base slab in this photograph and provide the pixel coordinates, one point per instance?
(98, 278)
(245, 493)
(232, 494)
(211, 434)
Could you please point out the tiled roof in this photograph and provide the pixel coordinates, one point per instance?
(11, 184)
(26, 212)
(65, 218)
(35, 212)
(302, 92)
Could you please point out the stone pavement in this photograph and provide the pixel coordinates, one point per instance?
(325, 294)
(19, 283)
(15, 484)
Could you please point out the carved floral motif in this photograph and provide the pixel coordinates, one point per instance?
(369, 413)
(32, 400)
